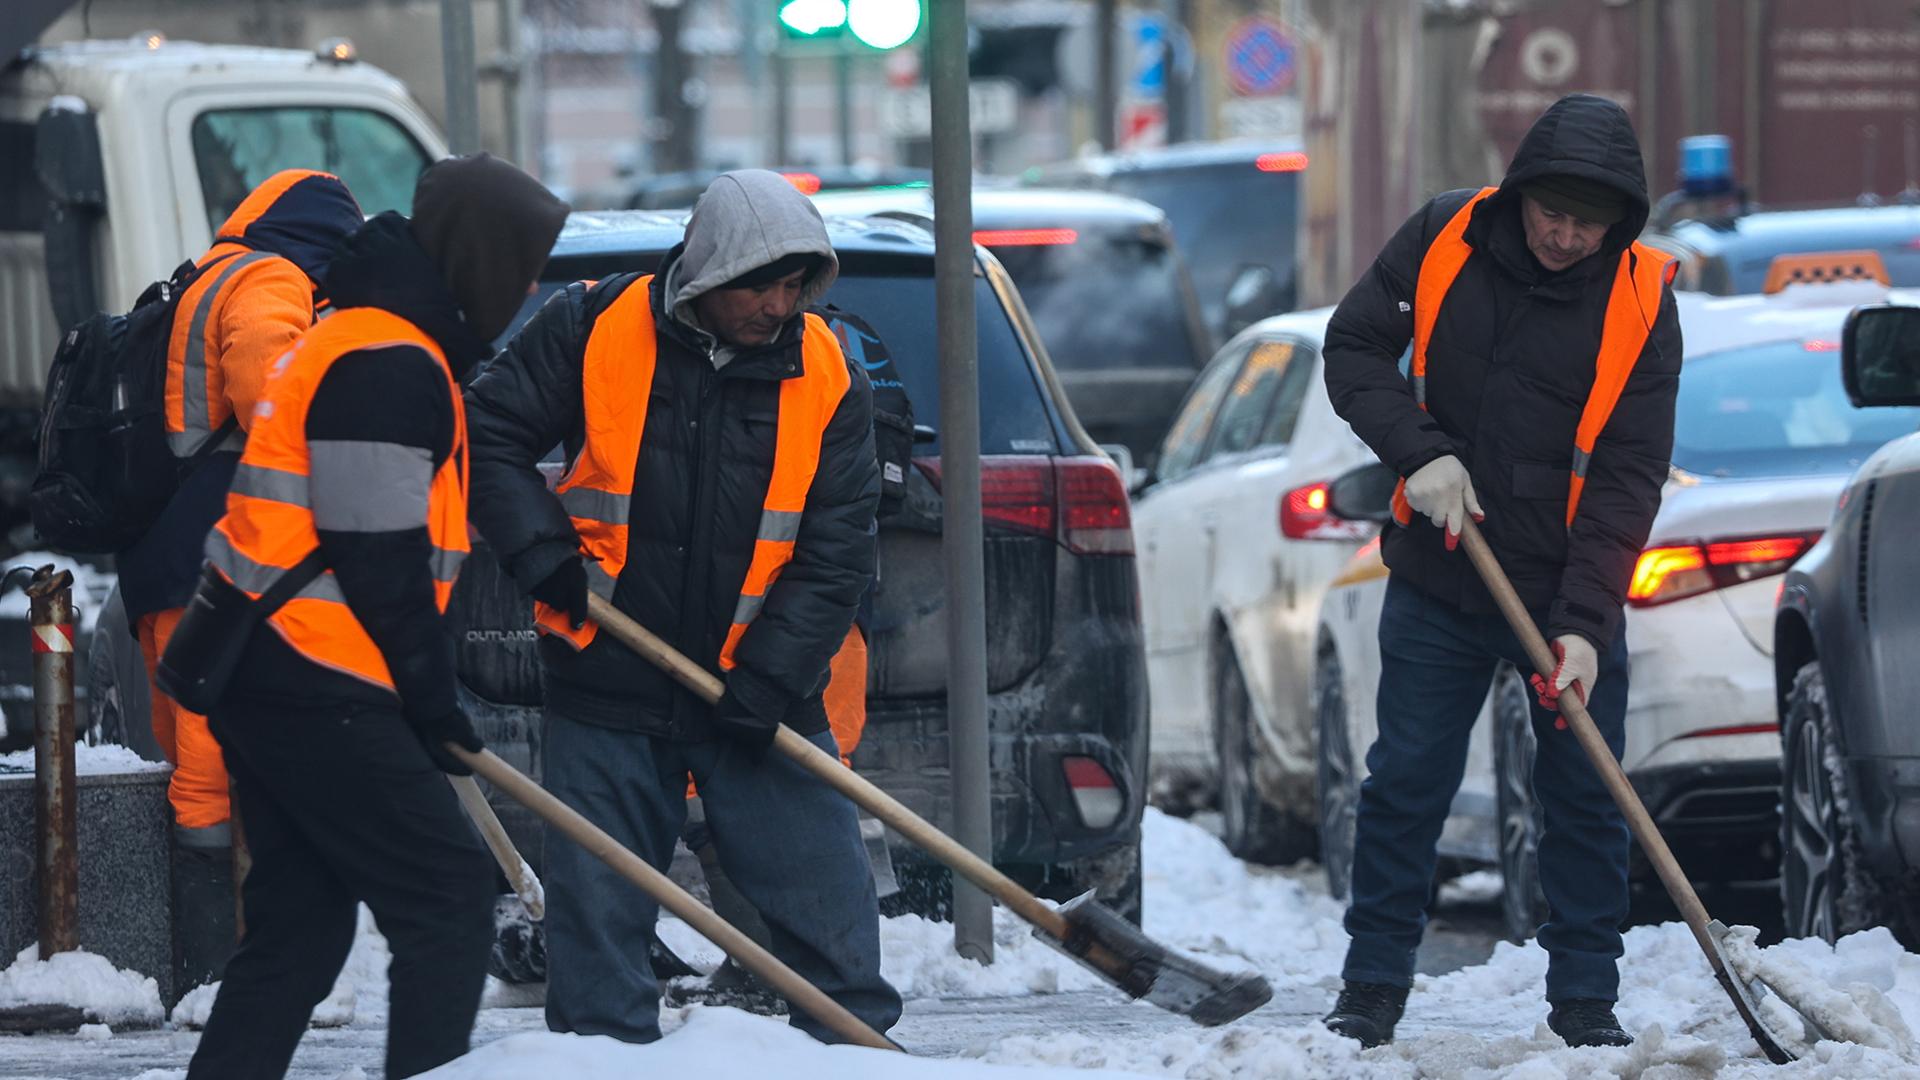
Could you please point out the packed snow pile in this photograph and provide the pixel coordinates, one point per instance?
(84, 981)
(917, 957)
(88, 760)
(719, 1044)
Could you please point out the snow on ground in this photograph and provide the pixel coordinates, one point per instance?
(1478, 887)
(83, 980)
(88, 761)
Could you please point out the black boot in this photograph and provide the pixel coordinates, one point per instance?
(1367, 1012)
(1587, 1022)
(203, 913)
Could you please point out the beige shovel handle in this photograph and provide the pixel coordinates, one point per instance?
(849, 783)
(525, 883)
(801, 993)
(1575, 711)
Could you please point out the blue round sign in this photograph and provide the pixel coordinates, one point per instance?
(1260, 57)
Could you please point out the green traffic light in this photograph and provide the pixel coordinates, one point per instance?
(883, 24)
(811, 18)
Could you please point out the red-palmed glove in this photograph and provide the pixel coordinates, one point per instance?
(1442, 491)
(1577, 665)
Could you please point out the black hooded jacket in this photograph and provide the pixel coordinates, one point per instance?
(1509, 368)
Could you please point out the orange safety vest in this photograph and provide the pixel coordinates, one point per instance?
(269, 523)
(1631, 308)
(196, 405)
(616, 381)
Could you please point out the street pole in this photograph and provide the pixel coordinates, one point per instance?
(50, 613)
(512, 67)
(456, 58)
(843, 99)
(1106, 89)
(961, 538)
(1179, 91)
(782, 108)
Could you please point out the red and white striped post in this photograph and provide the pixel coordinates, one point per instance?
(51, 593)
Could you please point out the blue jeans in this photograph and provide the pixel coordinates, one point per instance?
(1436, 665)
(789, 843)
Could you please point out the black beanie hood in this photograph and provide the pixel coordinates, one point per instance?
(489, 227)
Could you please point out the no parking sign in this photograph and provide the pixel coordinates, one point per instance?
(1260, 57)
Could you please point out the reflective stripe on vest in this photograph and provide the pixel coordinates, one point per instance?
(269, 526)
(1632, 307)
(190, 396)
(616, 381)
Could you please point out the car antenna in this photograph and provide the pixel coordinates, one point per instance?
(1870, 133)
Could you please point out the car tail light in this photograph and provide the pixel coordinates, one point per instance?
(1281, 162)
(1081, 502)
(804, 182)
(1025, 237)
(1306, 513)
(1095, 794)
(1675, 572)
(1736, 729)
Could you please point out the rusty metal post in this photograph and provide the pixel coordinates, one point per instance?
(51, 595)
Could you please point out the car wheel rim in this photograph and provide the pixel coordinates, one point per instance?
(1339, 790)
(1809, 847)
(1234, 763)
(1519, 819)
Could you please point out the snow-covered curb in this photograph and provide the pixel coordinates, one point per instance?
(88, 760)
(84, 981)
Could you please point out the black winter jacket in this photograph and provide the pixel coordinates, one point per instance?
(1509, 368)
(706, 459)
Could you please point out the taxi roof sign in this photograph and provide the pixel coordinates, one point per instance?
(1825, 266)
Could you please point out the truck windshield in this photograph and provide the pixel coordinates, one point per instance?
(236, 149)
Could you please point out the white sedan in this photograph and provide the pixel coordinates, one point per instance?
(1764, 441)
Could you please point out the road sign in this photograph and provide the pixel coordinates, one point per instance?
(1143, 125)
(1149, 64)
(995, 103)
(1269, 117)
(1260, 57)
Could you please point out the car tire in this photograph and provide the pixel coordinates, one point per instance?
(1523, 907)
(1252, 829)
(1826, 889)
(1337, 774)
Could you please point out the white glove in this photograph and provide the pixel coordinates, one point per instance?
(1441, 490)
(1579, 667)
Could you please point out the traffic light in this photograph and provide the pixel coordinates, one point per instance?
(877, 24)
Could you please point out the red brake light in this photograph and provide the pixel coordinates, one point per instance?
(1817, 345)
(1095, 792)
(1737, 729)
(1018, 495)
(1081, 502)
(1675, 572)
(1306, 513)
(805, 182)
(1024, 237)
(1281, 162)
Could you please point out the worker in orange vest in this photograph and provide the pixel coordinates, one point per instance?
(1538, 397)
(345, 528)
(252, 298)
(721, 490)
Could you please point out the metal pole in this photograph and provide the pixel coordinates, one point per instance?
(456, 58)
(51, 616)
(843, 100)
(512, 65)
(1179, 91)
(782, 108)
(953, 277)
(1106, 88)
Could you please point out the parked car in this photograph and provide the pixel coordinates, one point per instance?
(1764, 441)
(1236, 210)
(1066, 671)
(1105, 287)
(1235, 548)
(678, 191)
(1845, 642)
(1731, 255)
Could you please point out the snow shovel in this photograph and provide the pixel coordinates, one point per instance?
(1708, 932)
(526, 884)
(1105, 943)
(800, 992)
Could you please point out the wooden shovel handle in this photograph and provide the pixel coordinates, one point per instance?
(519, 874)
(828, 768)
(803, 994)
(1639, 822)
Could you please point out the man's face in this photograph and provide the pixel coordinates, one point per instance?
(750, 316)
(1559, 240)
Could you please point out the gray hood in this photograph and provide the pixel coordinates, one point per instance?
(744, 221)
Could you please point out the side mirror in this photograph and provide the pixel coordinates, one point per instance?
(1134, 477)
(1253, 295)
(923, 434)
(66, 159)
(1880, 355)
(1364, 494)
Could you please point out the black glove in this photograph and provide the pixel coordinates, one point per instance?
(566, 590)
(436, 732)
(742, 726)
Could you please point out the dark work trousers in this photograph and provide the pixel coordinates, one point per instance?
(341, 805)
(787, 841)
(1436, 665)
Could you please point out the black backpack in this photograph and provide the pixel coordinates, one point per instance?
(106, 469)
(892, 410)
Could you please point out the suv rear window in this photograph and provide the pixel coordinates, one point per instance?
(1224, 217)
(1776, 409)
(1103, 300)
(895, 296)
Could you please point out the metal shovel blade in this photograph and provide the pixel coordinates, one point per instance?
(1115, 949)
(1746, 999)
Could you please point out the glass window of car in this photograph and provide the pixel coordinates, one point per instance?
(1285, 414)
(1250, 401)
(1106, 299)
(236, 149)
(1776, 409)
(1225, 217)
(1180, 451)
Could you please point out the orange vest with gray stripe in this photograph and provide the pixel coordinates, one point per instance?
(1637, 284)
(269, 525)
(196, 401)
(616, 381)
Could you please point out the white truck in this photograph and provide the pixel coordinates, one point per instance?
(118, 159)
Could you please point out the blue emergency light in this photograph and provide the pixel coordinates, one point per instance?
(1706, 165)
